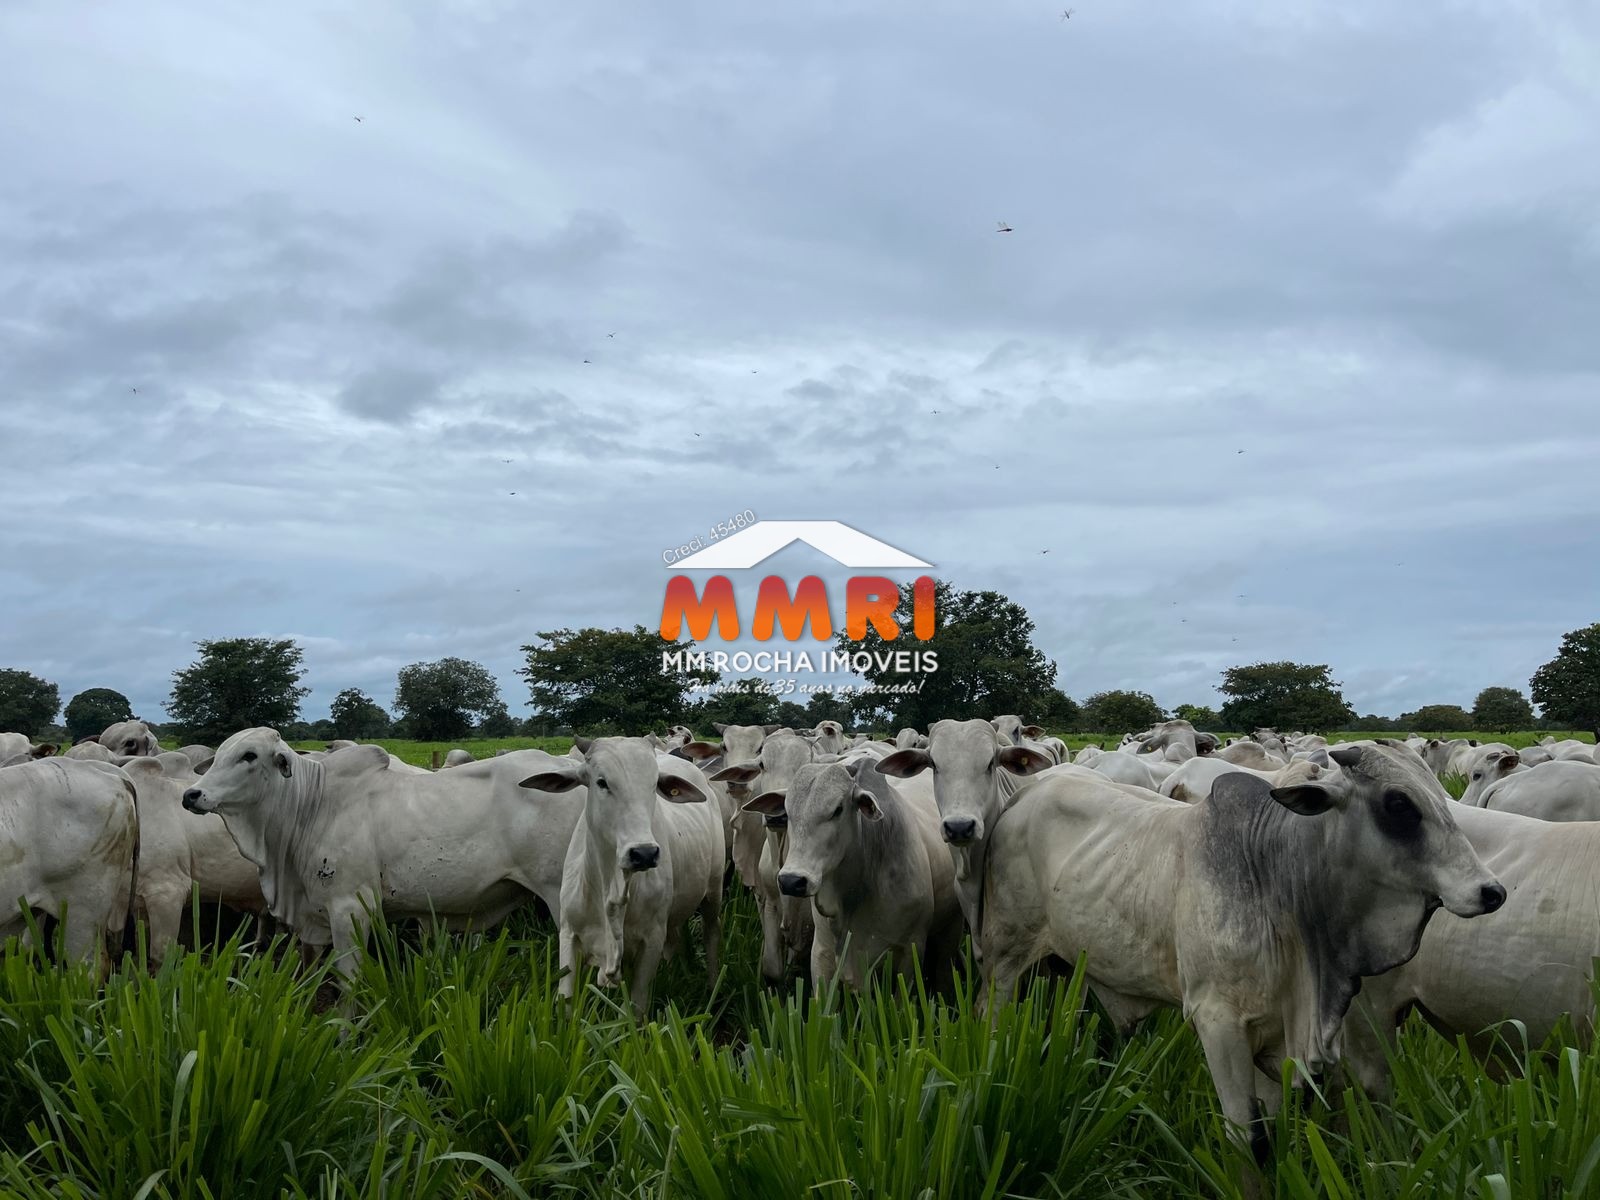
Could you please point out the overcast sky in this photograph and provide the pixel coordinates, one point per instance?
(1294, 351)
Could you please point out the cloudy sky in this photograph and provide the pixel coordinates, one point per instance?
(1294, 351)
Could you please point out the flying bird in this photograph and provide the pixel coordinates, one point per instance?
(611, 335)
(1238, 451)
(1044, 552)
(586, 360)
(1065, 13)
(358, 119)
(134, 390)
(1004, 228)
(697, 435)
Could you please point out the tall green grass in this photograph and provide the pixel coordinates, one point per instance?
(454, 1070)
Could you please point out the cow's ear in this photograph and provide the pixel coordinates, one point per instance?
(284, 761)
(1511, 761)
(678, 789)
(562, 779)
(903, 764)
(1033, 731)
(698, 751)
(45, 749)
(740, 774)
(867, 805)
(768, 804)
(719, 726)
(771, 729)
(1346, 756)
(655, 742)
(204, 767)
(1308, 799)
(1022, 760)
(582, 744)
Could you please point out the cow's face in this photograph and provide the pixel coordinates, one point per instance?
(1008, 727)
(1395, 831)
(965, 757)
(242, 774)
(824, 808)
(1492, 767)
(622, 778)
(779, 757)
(741, 744)
(130, 739)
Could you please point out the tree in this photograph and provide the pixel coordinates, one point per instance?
(1438, 718)
(1060, 712)
(1283, 696)
(357, 716)
(1567, 688)
(440, 699)
(1371, 723)
(1502, 709)
(988, 664)
(825, 706)
(743, 702)
(94, 711)
(609, 680)
(497, 723)
(1198, 715)
(237, 683)
(1121, 712)
(28, 704)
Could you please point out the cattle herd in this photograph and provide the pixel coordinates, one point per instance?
(1281, 891)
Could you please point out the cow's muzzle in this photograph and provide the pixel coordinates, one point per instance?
(642, 858)
(1491, 896)
(791, 884)
(191, 800)
(959, 831)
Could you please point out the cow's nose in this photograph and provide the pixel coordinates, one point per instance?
(959, 829)
(791, 884)
(1491, 896)
(191, 798)
(643, 858)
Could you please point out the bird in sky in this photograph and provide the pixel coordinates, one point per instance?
(358, 119)
(1238, 451)
(611, 335)
(1004, 228)
(586, 360)
(1066, 13)
(1044, 552)
(134, 390)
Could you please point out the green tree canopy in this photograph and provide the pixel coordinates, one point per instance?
(1121, 712)
(1567, 688)
(988, 664)
(94, 711)
(1502, 709)
(237, 683)
(28, 704)
(825, 706)
(357, 716)
(1198, 715)
(497, 723)
(440, 700)
(749, 701)
(609, 680)
(1438, 718)
(1283, 696)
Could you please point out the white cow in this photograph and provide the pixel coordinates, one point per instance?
(1255, 911)
(179, 850)
(337, 838)
(1491, 768)
(131, 739)
(645, 856)
(786, 923)
(1559, 790)
(89, 751)
(1531, 962)
(1193, 780)
(830, 738)
(973, 774)
(459, 758)
(910, 739)
(14, 744)
(1141, 771)
(69, 840)
(867, 854)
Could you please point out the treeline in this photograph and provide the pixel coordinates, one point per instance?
(613, 681)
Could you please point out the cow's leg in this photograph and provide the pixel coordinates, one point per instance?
(711, 921)
(1368, 1041)
(351, 925)
(824, 954)
(570, 960)
(643, 972)
(771, 943)
(1233, 1072)
(163, 918)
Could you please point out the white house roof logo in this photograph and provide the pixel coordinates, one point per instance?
(846, 546)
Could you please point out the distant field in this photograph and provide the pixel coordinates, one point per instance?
(420, 753)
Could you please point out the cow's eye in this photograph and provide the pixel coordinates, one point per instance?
(249, 756)
(1477, 774)
(1400, 818)
(601, 784)
(837, 812)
